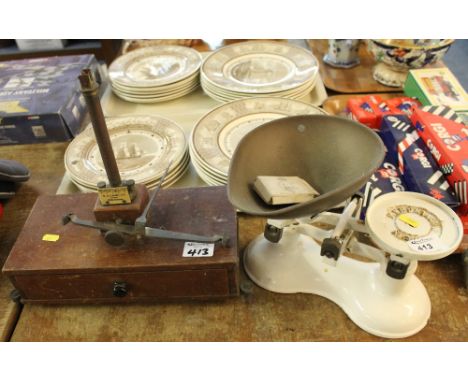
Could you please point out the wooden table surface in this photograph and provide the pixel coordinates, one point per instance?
(45, 162)
(259, 316)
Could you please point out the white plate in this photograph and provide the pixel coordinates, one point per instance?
(217, 134)
(207, 178)
(202, 167)
(155, 66)
(158, 89)
(173, 176)
(174, 173)
(168, 180)
(225, 96)
(220, 90)
(157, 99)
(180, 90)
(143, 145)
(259, 67)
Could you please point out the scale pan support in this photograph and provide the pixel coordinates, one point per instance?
(334, 155)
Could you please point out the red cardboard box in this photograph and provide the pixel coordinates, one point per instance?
(405, 105)
(448, 142)
(370, 110)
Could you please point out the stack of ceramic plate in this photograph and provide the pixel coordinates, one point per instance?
(155, 74)
(217, 134)
(259, 68)
(144, 146)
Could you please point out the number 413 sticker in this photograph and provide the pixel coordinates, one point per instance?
(425, 244)
(192, 249)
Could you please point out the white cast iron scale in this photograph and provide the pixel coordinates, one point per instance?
(337, 156)
(383, 297)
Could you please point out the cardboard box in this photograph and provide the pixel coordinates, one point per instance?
(437, 87)
(447, 141)
(415, 163)
(40, 99)
(386, 179)
(393, 130)
(369, 110)
(463, 116)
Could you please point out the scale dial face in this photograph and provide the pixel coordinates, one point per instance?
(414, 225)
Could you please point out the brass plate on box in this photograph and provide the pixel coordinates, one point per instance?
(114, 195)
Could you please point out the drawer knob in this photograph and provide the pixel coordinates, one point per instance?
(120, 289)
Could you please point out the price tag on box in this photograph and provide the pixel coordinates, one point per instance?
(192, 249)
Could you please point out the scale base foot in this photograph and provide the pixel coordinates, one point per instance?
(376, 303)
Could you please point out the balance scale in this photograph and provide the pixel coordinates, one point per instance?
(125, 244)
(296, 254)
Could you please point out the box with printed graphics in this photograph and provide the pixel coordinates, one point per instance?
(40, 100)
(447, 140)
(419, 170)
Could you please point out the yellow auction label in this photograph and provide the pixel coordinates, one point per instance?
(406, 219)
(12, 107)
(50, 237)
(114, 196)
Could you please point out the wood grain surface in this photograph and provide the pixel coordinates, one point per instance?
(45, 161)
(259, 316)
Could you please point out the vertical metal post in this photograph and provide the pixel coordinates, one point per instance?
(90, 91)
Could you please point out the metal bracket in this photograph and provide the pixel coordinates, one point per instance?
(331, 248)
(142, 231)
(397, 267)
(114, 232)
(272, 233)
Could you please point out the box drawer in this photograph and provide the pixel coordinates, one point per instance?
(119, 287)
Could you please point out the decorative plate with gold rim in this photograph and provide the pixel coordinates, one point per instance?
(217, 134)
(155, 66)
(259, 67)
(144, 146)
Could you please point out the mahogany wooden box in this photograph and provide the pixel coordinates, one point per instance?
(81, 267)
